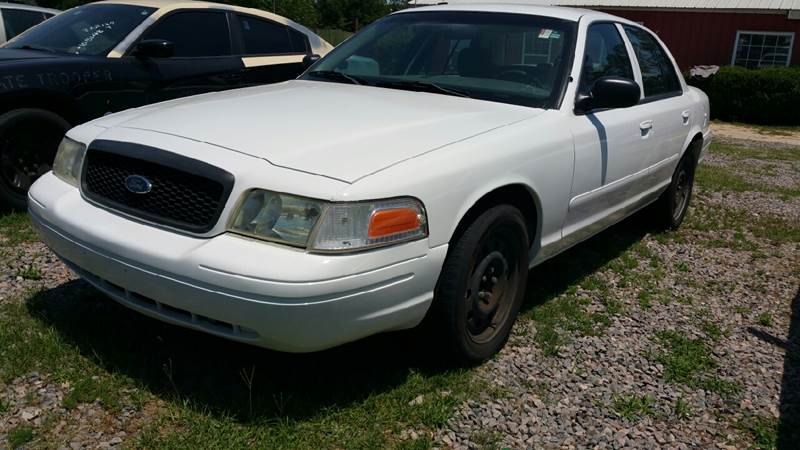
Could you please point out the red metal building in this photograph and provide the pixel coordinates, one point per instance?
(750, 33)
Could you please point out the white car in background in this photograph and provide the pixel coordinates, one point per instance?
(420, 168)
(16, 18)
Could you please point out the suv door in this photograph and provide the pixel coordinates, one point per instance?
(663, 103)
(610, 145)
(271, 52)
(203, 60)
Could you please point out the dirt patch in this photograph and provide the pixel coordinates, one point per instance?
(742, 132)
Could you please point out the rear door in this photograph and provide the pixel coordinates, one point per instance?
(271, 51)
(203, 60)
(663, 102)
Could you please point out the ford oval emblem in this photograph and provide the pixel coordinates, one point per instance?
(138, 184)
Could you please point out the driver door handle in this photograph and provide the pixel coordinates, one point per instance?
(646, 128)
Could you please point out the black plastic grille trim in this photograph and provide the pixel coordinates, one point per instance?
(187, 194)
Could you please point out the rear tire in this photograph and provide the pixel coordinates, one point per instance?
(482, 285)
(29, 139)
(670, 209)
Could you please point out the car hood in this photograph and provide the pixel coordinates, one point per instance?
(335, 130)
(13, 54)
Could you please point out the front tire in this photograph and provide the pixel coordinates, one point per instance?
(673, 204)
(482, 285)
(29, 139)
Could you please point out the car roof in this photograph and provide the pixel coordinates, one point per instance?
(558, 12)
(190, 4)
(27, 7)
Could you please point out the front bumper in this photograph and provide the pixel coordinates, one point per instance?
(234, 287)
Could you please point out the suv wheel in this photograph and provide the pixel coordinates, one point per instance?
(482, 285)
(29, 139)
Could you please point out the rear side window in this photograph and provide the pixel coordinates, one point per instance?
(605, 55)
(262, 37)
(658, 72)
(194, 33)
(18, 20)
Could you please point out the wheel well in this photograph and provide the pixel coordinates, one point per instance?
(698, 138)
(516, 195)
(55, 103)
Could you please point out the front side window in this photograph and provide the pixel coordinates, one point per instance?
(194, 33)
(509, 58)
(262, 37)
(18, 20)
(92, 29)
(658, 72)
(605, 56)
(756, 49)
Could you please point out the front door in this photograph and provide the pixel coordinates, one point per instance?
(202, 60)
(610, 145)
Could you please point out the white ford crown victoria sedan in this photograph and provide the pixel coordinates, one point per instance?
(419, 169)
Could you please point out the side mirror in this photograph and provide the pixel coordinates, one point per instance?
(309, 60)
(154, 48)
(609, 93)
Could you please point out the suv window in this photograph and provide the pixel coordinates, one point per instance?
(194, 33)
(605, 55)
(262, 37)
(18, 20)
(658, 73)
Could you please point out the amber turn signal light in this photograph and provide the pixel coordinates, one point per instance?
(393, 221)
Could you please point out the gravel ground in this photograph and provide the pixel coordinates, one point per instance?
(730, 291)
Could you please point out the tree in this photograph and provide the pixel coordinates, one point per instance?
(351, 15)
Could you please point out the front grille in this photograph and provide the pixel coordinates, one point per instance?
(185, 193)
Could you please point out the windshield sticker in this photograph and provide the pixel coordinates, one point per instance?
(545, 33)
(93, 31)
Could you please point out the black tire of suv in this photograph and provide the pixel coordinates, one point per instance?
(497, 239)
(29, 137)
(670, 209)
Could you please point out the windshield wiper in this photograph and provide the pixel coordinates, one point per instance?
(336, 76)
(422, 86)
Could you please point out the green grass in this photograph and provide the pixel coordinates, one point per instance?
(633, 407)
(357, 396)
(20, 436)
(722, 179)
(762, 430)
(29, 273)
(765, 319)
(712, 218)
(682, 410)
(87, 390)
(689, 362)
(16, 228)
(713, 330)
(556, 318)
(763, 153)
(4, 406)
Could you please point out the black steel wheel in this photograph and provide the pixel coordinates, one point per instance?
(29, 139)
(482, 285)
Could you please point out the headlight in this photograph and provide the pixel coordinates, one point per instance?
(328, 227)
(69, 160)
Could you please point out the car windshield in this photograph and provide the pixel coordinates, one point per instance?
(510, 58)
(86, 30)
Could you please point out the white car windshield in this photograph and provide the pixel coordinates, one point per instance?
(510, 58)
(85, 30)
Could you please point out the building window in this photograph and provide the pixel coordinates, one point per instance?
(755, 49)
